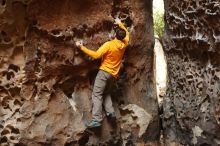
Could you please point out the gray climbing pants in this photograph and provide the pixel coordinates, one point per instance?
(101, 95)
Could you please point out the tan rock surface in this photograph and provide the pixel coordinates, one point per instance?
(46, 83)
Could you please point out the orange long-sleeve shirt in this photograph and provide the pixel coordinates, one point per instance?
(111, 53)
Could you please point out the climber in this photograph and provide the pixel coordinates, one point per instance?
(111, 54)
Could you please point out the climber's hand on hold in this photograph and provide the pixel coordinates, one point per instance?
(79, 43)
(117, 20)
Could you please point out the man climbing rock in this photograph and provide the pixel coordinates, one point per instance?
(111, 54)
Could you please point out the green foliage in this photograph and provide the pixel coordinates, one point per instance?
(158, 23)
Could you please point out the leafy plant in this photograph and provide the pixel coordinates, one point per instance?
(158, 23)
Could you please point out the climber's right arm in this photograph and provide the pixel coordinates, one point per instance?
(96, 54)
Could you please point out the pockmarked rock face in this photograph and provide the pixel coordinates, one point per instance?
(192, 103)
(46, 82)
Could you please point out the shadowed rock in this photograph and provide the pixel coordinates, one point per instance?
(191, 106)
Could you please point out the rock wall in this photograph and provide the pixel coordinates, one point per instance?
(160, 70)
(46, 83)
(192, 42)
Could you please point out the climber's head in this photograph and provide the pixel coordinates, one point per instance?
(120, 33)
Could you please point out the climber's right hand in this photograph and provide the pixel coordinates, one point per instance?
(79, 43)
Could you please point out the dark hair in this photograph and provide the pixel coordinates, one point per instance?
(120, 34)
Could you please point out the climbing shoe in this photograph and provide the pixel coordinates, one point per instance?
(93, 124)
(112, 116)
